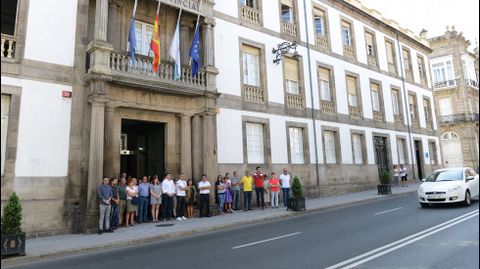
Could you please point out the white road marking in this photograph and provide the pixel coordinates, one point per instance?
(266, 240)
(386, 211)
(402, 242)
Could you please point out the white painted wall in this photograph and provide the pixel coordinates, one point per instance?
(50, 33)
(44, 129)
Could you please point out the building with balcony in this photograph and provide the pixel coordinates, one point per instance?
(455, 78)
(350, 121)
(82, 108)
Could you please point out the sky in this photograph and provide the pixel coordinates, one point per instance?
(432, 15)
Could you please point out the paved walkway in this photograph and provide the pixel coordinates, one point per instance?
(55, 246)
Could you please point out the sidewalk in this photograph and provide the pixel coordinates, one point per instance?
(62, 245)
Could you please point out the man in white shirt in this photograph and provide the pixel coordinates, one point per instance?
(168, 190)
(285, 182)
(181, 187)
(204, 189)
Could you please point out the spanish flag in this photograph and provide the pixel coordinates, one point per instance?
(155, 46)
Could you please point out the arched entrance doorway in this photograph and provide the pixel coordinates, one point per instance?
(452, 149)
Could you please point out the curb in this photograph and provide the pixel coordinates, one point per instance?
(178, 234)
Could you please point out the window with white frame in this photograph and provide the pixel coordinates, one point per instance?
(291, 76)
(375, 89)
(319, 17)
(357, 148)
(443, 74)
(421, 66)
(251, 66)
(287, 10)
(296, 145)
(426, 109)
(352, 91)
(390, 52)
(396, 102)
(324, 84)
(346, 34)
(401, 151)
(445, 106)
(143, 36)
(4, 115)
(255, 147)
(412, 102)
(406, 59)
(330, 147)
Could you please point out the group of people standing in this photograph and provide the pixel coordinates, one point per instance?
(399, 173)
(126, 201)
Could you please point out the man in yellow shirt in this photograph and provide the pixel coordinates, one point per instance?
(247, 185)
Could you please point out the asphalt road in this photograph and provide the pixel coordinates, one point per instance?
(391, 233)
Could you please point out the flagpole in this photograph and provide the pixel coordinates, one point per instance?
(134, 8)
(196, 25)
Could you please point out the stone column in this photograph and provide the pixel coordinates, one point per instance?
(95, 157)
(109, 141)
(208, 48)
(112, 22)
(209, 161)
(101, 20)
(186, 145)
(197, 147)
(185, 41)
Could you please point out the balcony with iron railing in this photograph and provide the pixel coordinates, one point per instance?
(289, 28)
(354, 112)
(8, 46)
(471, 82)
(294, 101)
(322, 41)
(328, 107)
(445, 83)
(140, 72)
(253, 94)
(251, 14)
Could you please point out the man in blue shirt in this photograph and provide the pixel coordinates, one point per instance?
(105, 194)
(143, 192)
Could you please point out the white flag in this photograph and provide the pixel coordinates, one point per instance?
(175, 50)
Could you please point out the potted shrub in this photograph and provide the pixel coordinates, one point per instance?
(384, 188)
(297, 201)
(13, 239)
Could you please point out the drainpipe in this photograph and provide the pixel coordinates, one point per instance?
(405, 100)
(311, 95)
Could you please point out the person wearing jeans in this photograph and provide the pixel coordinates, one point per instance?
(114, 205)
(220, 187)
(258, 178)
(105, 194)
(285, 182)
(236, 190)
(247, 184)
(274, 190)
(143, 192)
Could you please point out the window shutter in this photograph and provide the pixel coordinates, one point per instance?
(411, 99)
(351, 85)
(369, 38)
(255, 148)
(375, 96)
(390, 54)
(357, 148)
(250, 50)
(287, 2)
(291, 69)
(396, 105)
(330, 154)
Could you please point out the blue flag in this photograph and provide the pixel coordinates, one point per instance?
(131, 40)
(194, 51)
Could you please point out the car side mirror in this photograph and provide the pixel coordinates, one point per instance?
(423, 180)
(470, 178)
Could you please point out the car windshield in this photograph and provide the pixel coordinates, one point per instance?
(446, 175)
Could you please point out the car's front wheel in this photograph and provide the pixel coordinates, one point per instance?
(424, 205)
(468, 199)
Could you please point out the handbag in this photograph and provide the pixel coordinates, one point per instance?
(135, 200)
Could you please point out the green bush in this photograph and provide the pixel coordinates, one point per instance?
(12, 216)
(385, 177)
(297, 190)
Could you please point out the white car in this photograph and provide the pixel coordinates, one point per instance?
(452, 185)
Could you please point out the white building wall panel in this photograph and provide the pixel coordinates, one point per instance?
(44, 129)
(50, 33)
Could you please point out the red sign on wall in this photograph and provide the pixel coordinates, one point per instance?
(67, 94)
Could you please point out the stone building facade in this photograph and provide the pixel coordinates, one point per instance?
(85, 109)
(455, 79)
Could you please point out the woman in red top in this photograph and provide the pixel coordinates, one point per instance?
(274, 190)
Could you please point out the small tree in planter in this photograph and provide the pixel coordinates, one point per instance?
(384, 188)
(13, 239)
(297, 201)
